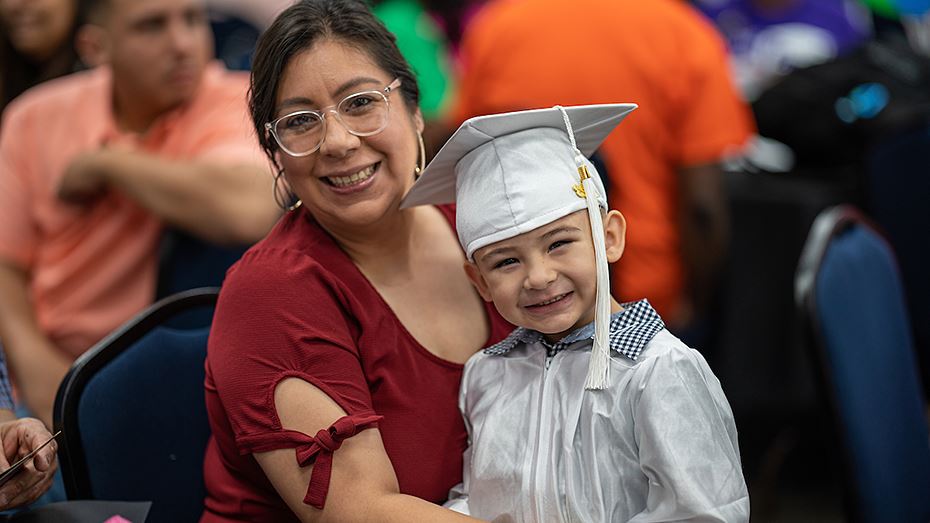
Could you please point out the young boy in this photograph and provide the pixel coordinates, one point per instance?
(590, 410)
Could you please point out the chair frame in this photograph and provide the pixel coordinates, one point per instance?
(71, 451)
(826, 226)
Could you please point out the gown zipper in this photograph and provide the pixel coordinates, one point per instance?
(541, 440)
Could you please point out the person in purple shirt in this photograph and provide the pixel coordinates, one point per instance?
(769, 38)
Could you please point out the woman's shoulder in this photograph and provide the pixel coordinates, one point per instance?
(296, 257)
(284, 288)
(295, 242)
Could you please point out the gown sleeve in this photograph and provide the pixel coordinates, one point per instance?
(687, 443)
(458, 495)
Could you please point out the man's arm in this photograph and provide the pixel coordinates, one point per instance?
(225, 204)
(39, 367)
(705, 232)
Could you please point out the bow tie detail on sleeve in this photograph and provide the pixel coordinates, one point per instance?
(319, 450)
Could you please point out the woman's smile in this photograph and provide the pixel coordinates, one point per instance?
(353, 180)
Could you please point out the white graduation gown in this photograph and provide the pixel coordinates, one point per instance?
(658, 445)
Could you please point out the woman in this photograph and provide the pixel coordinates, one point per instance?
(37, 44)
(351, 321)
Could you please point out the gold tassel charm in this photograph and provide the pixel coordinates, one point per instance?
(579, 188)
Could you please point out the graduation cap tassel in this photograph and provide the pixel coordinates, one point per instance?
(599, 365)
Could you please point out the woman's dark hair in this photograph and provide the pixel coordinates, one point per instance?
(20, 72)
(301, 26)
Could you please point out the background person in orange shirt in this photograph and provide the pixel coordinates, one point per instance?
(92, 165)
(663, 169)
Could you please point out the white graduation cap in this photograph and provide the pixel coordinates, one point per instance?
(514, 172)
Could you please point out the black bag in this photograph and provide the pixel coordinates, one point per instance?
(829, 114)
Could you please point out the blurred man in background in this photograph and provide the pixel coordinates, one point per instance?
(93, 164)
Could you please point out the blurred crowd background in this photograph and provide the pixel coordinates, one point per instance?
(810, 103)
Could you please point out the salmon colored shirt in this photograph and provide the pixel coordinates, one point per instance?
(93, 266)
(660, 54)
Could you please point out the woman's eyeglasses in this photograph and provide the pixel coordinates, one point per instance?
(301, 133)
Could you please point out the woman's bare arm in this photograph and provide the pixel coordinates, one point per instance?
(362, 488)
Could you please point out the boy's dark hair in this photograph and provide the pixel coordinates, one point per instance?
(301, 26)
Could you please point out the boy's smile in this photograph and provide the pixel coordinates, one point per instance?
(545, 279)
(562, 304)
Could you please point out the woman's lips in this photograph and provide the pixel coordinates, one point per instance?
(352, 183)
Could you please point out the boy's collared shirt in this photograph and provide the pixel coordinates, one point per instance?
(630, 330)
(659, 444)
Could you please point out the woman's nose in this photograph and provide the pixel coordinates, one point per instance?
(337, 140)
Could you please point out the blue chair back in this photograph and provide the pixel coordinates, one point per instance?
(133, 416)
(849, 283)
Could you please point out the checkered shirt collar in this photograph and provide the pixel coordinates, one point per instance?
(630, 330)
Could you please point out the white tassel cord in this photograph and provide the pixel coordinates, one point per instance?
(599, 366)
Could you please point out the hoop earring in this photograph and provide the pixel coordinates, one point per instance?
(288, 201)
(421, 162)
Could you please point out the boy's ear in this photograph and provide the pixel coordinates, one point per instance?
(614, 235)
(471, 270)
(92, 45)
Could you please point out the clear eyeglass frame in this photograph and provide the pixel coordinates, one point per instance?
(272, 126)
